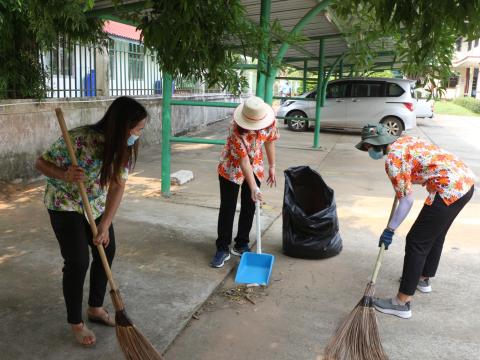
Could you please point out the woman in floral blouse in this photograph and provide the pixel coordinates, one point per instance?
(241, 167)
(106, 151)
(450, 185)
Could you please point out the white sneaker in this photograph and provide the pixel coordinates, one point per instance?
(387, 306)
(422, 286)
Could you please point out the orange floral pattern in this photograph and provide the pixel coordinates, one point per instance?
(412, 160)
(239, 146)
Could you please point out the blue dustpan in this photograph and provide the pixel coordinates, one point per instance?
(255, 268)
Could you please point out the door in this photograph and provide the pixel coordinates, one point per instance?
(474, 82)
(365, 104)
(334, 113)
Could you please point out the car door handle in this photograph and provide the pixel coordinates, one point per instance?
(355, 100)
(340, 100)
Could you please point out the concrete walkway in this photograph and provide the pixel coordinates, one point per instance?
(164, 247)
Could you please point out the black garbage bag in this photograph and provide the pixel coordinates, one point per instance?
(310, 222)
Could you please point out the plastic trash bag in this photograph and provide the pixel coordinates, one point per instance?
(310, 222)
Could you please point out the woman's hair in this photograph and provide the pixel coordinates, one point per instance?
(122, 115)
(240, 129)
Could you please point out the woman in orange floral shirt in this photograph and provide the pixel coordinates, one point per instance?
(450, 185)
(241, 167)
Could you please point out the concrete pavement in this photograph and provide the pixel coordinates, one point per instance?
(164, 247)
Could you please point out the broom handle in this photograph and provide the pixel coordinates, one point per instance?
(257, 227)
(83, 193)
(382, 247)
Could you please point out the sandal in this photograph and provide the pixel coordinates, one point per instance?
(103, 319)
(82, 335)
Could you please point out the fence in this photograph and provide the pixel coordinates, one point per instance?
(135, 71)
(70, 70)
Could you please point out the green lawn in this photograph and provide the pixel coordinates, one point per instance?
(449, 108)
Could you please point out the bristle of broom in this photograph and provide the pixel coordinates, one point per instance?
(357, 338)
(134, 344)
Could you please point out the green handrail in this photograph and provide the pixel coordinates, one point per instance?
(194, 140)
(224, 104)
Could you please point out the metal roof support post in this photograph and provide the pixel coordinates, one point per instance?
(269, 83)
(327, 76)
(297, 28)
(305, 67)
(166, 131)
(341, 68)
(319, 97)
(262, 58)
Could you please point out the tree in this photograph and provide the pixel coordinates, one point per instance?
(204, 40)
(29, 27)
(423, 31)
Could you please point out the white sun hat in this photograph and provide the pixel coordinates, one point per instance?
(254, 114)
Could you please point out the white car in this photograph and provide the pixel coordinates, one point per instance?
(424, 106)
(352, 103)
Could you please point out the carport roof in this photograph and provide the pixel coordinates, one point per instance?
(288, 13)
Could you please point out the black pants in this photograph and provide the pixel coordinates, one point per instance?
(74, 236)
(228, 204)
(425, 240)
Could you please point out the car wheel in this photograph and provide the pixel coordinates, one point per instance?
(298, 124)
(394, 125)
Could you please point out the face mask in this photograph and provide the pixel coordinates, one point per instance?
(131, 140)
(374, 153)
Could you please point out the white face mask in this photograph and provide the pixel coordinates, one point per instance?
(131, 140)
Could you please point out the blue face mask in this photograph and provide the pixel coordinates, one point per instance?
(374, 153)
(131, 140)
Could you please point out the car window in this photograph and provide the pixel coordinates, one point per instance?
(336, 90)
(394, 90)
(359, 90)
(312, 95)
(374, 89)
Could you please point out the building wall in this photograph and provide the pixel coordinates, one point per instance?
(28, 127)
(464, 59)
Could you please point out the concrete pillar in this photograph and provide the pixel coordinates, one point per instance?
(102, 74)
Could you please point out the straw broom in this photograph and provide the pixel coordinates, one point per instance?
(358, 337)
(134, 345)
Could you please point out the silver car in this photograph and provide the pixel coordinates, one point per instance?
(355, 102)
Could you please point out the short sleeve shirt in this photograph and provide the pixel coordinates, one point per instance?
(88, 147)
(239, 146)
(412, 160)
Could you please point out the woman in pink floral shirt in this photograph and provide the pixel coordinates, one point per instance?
(450, 185)
(241, 167)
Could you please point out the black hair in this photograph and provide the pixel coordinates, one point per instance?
(123, 114)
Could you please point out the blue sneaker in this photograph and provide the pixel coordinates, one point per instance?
(219, 259)
(239, 250)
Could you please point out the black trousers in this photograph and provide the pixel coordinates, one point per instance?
(228, 204)
(425, 240)
(75, 236)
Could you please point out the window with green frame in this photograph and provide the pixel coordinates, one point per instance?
(136, 61)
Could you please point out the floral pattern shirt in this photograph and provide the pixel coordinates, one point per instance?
(412, 160)
(239, 146)
(64, 196)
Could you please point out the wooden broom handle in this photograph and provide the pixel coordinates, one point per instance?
(382, 247)
(83, 193)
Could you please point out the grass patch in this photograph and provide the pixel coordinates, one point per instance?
(449, 108)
